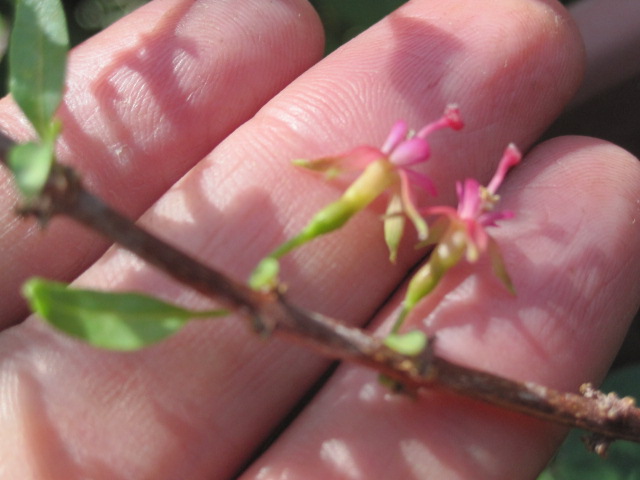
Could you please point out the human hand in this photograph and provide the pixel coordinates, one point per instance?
(199, 404)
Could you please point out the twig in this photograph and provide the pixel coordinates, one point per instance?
(607, 416)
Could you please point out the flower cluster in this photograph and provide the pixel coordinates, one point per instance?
(455, 234)
(386, 169)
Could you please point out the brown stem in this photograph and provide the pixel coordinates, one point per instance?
(64, 194)
(607, 416)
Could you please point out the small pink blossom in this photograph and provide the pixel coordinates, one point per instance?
(476, 205)
(401, 151)
(386, 169)
(461, 232)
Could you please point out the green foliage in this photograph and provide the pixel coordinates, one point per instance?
(343, 20)
(574, 462)
(37, 60)
(116, 321)
(95, 15)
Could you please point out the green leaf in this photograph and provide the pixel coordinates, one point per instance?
(31, 164)
(410, 343)
(37, 59)
(116, 321)
(574, 462)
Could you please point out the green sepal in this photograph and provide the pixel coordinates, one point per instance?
(328, 166)
(499, 267)
(411, 343)
(394, 223)
(115, 321)
(419, 223)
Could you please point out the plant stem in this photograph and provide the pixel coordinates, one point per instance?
(607, 416)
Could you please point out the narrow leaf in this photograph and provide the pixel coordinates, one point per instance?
(37, 58)
(116, 321)
(30, 164)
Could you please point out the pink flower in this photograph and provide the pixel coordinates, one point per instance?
(462, 232)
(476, 205)
(401, 151)
(385, 169)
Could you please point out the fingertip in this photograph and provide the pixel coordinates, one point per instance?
(593, 164)
(574, 245)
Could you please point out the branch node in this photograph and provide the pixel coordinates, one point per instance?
(59, 193)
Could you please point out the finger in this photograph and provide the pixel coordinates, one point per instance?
(573, 250)
(146, 99)
(215, 388)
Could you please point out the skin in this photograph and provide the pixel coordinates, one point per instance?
(198, 405)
